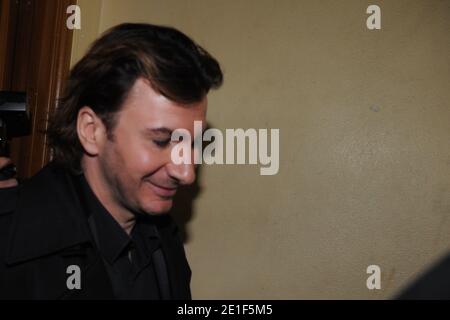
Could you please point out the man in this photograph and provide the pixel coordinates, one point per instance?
(92, 224)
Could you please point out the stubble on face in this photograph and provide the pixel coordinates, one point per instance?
(125, 187)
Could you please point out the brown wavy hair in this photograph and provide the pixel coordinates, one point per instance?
(174, 64)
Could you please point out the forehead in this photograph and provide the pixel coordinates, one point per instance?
(144, 107)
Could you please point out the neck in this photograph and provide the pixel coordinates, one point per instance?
(104, 194)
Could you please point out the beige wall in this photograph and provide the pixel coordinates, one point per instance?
(364, 121)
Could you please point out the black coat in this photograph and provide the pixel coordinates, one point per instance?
(433, 284)
(43, 230)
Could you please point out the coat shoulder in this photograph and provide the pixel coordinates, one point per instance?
(8, 200)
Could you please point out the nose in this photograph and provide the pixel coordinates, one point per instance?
(183, 173)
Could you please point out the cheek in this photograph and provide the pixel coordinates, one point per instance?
(137, 156)
(144, 159)
(132, 154)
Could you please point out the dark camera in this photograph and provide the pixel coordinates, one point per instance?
(14, 122)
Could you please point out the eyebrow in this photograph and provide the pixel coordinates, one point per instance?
(161, 130)
(165, 131)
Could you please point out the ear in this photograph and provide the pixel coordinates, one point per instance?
(91, 131)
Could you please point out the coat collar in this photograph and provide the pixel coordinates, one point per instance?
(48, 217)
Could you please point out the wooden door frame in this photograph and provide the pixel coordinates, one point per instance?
(40, 66)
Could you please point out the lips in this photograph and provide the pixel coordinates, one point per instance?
(163, 191)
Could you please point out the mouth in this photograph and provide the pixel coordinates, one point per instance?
(161, 191)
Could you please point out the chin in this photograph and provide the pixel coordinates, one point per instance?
(158, 207)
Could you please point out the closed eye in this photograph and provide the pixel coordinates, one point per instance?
(161, 143)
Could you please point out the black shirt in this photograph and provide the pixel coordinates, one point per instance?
(135, 264)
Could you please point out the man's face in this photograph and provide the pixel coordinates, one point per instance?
(136, 162)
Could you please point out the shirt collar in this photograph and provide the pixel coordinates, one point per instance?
(112, 239)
